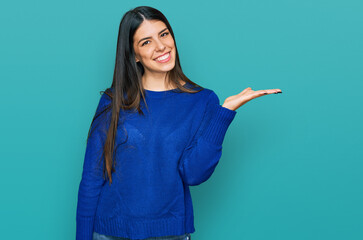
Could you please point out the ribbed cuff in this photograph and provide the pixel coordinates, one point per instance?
(219, 121)
(84, 229)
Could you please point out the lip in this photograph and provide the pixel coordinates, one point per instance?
(162, 55)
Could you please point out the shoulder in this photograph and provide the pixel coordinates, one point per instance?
(206, 94)
(205, 100)
(209, 96)
(212, 97)
(105, 100)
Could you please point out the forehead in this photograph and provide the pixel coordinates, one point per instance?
(149, 28)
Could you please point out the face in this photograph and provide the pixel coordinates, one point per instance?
(154, 47)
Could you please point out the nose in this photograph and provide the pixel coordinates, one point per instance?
(160, 46)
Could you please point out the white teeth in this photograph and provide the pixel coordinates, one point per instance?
(163, 57)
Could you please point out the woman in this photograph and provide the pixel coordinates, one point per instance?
(154, 134)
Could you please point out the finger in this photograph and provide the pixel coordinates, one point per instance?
(245, 90)
(268, 91)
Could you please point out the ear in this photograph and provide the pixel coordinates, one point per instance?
(137, 60)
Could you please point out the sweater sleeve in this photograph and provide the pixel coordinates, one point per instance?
(92, 178)
(202, 155)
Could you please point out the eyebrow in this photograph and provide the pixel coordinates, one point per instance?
(150, 37)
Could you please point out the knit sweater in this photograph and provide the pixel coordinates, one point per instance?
(176, 144)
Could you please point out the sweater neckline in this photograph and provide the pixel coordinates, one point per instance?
(161, 94)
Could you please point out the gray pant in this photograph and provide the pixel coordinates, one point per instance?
(98, 236)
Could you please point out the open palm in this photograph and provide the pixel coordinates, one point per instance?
(236, 101)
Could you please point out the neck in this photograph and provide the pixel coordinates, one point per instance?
(155, 81)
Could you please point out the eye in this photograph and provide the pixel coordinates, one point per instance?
(145, 42)
(165, 33)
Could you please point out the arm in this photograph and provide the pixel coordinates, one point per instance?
(92, 179)
(201, 157)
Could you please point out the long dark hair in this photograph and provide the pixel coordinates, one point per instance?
(127, 79)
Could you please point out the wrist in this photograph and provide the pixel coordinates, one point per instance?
(228, 107)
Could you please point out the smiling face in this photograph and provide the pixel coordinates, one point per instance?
(154, 47)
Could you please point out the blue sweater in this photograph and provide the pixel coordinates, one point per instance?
(176, 144)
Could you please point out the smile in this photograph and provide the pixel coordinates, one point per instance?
(164, 58)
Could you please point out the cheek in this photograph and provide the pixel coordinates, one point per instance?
(143, 54)
(171, 43)
(147, 53)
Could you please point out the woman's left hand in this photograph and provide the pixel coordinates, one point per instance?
(236, 101)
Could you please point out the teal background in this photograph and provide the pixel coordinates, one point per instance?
(292, 163)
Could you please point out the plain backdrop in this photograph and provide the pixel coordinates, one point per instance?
(291, 166)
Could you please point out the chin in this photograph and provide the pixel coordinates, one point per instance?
(166, 68)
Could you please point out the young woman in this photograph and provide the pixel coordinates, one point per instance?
(154, 134)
